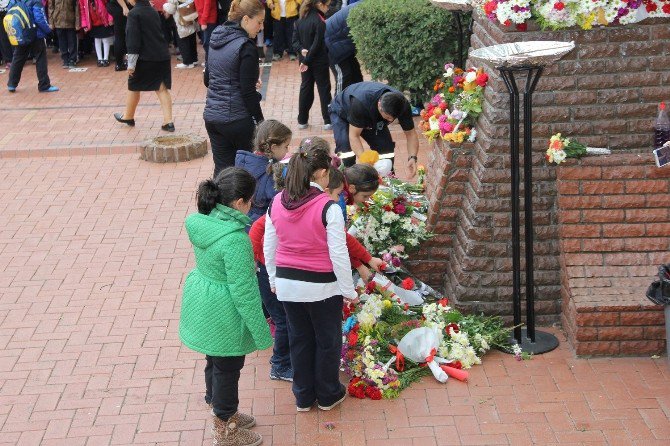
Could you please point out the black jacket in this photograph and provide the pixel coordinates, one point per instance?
(144, 33)
(309, 35)
(231, 76)
(338, 41)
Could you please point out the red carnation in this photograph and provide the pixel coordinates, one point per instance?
(453, 326)
(666, 8)
(559, 6)
(373, 393)
(651, 7)
(522, 26)
(482, 79)
(407, 284)
(352, 338)
(508, 22)
(490, 7)
(370, 287)
(356, 388)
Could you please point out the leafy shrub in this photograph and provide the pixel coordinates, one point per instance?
(405, 42)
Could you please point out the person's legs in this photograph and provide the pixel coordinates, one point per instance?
(322, 77)
(340, 132)
(279, 43)
(132, 99)
(227, 139)
(306, 96)
(225, 380)
(119, 39)
(337, 75)
(356, 73)
(206, 34)
(71, 36)
(63, 45)
(267, 26)
(303, 346)
(288, 34)
(106, 45)
(188, 49)
(381, 141)
(208, 379)
(18, 61)
(40, 54)
(326, 316)
(98, 49)
(166, 103)
(281, 359)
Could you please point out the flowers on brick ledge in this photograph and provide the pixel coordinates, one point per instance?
(560, 14)
(388, 344)
(451, 114)
(561, 148)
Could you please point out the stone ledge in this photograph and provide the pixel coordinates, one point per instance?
(173, 148)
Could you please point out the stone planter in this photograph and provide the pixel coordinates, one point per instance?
(173, 148)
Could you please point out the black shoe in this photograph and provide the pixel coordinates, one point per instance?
(105, 63)
(121, 67)
(101, 64)
(130, 122)
(169, 127)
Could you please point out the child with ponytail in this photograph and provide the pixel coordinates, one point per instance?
(308, 264)
(221, 313)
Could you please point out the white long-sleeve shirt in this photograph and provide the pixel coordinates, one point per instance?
(302, 291)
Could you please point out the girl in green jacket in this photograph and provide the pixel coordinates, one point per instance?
(221, 314)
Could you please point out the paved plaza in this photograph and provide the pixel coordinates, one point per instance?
(93, 254)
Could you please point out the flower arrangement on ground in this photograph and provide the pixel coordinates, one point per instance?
(561, 148)
(451, 114)
(561, 14)
(374, 329)
(392, 221)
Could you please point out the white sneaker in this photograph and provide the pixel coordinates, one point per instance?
(303, 126)
(181, 66)
(328, 127)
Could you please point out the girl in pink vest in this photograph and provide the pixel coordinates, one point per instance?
(309, 269)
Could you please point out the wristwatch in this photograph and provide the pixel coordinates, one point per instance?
(413, 157)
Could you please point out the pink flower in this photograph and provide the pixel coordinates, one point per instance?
(446, 126)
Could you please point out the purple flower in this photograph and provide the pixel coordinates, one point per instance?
(396, 262)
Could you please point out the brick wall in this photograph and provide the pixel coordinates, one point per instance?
(605, 93)
(614, 216)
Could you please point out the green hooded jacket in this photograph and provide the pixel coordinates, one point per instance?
(221, 312)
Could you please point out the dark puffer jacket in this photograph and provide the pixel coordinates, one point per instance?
(232, 73)
(338, 41)
(257, 165)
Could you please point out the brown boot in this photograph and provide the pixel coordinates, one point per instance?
(227, 433)
(243, 420)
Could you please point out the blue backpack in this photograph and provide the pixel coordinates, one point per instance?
(19, 23)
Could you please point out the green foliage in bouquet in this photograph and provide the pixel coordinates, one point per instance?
(404, 42)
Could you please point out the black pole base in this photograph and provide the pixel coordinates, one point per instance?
(544, 342)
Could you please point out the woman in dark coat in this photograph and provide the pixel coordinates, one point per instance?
(233, 106)
(310, 31)
(148, 62)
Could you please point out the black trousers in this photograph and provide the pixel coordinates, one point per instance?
(267, 24)
(320, 75)
(188, 49)
(227, 139)
(119, 35)
(38, 50)
(315, 339)
(222, 376)
(6, 51)
(282, 32)
(67, 45)
(346, 73)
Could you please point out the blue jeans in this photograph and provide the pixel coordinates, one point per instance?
(315, 336)
(281, 357)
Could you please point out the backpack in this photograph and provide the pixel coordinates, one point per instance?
(19, 24)
(659, 291)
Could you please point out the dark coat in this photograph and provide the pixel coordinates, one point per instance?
(144, 33)
(309, 35)
(338, 41)
(232, 73)
(257, 166)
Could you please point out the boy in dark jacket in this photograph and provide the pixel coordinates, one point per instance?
(342, 51)
(38, 49)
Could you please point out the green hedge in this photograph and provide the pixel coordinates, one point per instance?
(404, 42)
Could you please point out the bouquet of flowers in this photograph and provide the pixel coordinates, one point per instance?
(374, 329)
(451, 114)
(508, 12)
(561, 148)
(392, 221)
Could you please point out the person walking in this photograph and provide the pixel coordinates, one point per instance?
(37, 48)
(63, 19)
(313, 57)
(233, 106)
(148, 63)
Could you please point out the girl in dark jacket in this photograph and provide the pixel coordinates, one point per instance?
(233, 106)
(311, 28)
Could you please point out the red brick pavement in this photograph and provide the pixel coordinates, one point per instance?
(93, 254)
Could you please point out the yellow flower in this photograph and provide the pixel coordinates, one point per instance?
(387, 303)
(369, 157)
(469, 86)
